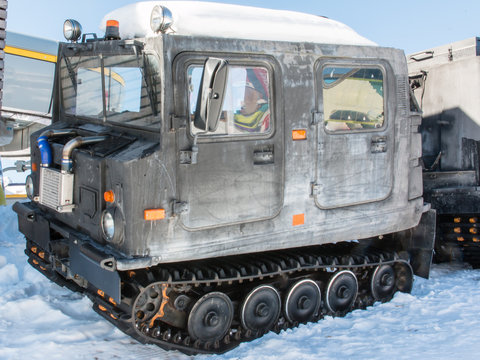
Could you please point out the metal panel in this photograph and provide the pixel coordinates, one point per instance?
(236, 179)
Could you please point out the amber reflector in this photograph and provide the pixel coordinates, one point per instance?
(473, 230)
(298, 219)
(299, 134)
(475, 239)
(457, 230)
(460, 238)
(109, 196)
(472, 220)
(154, 214)
(34, 167)
(457, 220)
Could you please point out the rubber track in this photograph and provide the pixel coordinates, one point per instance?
(228, 273)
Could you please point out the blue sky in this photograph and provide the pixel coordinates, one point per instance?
(411, 25)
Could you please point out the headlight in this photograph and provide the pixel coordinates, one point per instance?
(112, 225)
(72, 30)
(160, 19)
(29, 188)
(108, 225)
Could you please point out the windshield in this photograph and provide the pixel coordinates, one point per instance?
(127, 95)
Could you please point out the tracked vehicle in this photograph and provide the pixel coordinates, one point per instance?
(204, 185)
(445, 83)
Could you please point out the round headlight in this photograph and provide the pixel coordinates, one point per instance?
(113, 225)
(29, 188)
(108, 225)
(72, 30)
(160, 19)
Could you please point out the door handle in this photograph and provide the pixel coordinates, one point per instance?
(378, 144)
(263, 157)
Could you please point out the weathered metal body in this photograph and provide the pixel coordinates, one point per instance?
(227, 204)
(445, 80)
(225, 201)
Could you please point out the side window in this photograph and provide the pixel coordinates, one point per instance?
(353, 98)
(246, 105)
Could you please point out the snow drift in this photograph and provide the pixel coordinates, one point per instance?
(234, 21)
(39, 320)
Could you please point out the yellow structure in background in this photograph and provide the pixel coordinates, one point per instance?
(2, 197)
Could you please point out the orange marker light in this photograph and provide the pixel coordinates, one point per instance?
(299, 135)
(34, 166)
(112, 23)
(109, 196)
(154, 214)
(298, 219)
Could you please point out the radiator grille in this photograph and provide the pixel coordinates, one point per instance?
(50, 182)
(56, 189)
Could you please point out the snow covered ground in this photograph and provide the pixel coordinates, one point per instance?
(40, 320)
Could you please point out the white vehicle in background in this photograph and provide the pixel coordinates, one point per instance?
(27, 91)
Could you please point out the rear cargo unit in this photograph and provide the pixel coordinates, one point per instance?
(446, 85)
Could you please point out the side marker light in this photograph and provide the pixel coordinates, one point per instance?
(154, 214)
(299, 135)
(298, 219)
(109, 196)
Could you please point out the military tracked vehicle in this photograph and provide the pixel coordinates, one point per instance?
(205, 182)
(445, 83)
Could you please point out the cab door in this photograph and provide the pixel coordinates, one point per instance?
(236, 175)
(355, 147)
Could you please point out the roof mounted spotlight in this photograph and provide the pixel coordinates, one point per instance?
(160, 19)
(72, 30)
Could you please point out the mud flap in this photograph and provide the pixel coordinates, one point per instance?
(32, 224)
(422, 243)
(89, 263)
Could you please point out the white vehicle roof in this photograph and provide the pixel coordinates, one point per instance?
(195, 18)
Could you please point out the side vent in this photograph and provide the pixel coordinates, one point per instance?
(403, 90)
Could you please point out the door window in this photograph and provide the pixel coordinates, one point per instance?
(353, 98)
(246, 105)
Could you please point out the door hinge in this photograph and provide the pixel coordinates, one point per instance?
(189, 157)
(177, 122)
(317, 117)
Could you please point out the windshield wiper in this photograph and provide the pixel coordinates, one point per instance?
(71, 73)
(150, 83)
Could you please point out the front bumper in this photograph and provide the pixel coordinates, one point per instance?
(70, 253)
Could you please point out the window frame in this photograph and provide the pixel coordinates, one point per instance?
(351, 63)
(158, 118)
(186, 60)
